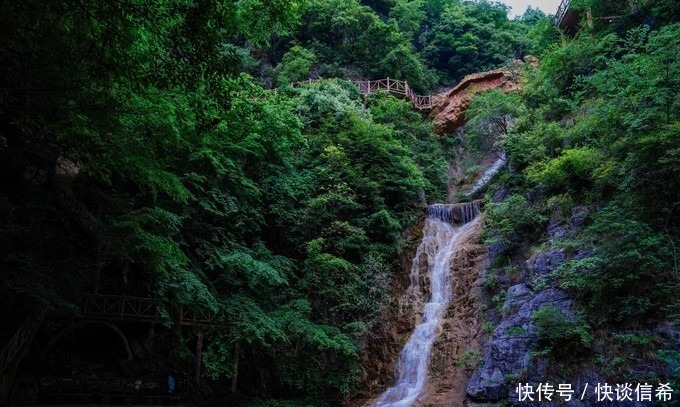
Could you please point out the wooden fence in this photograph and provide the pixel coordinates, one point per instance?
(393, 86)
(141, 309)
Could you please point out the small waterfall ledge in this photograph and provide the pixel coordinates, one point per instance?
(443, 228)
(456, 214)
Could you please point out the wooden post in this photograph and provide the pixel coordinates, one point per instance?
(388, 84)
(589, 16)
(152, 331)
(234, 378)
(6, 384)
(199, 349)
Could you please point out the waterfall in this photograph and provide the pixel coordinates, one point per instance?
(460, 213)
(440, 235)
(488, 174)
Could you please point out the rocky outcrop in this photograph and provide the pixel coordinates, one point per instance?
(508, 351)
(448, 108)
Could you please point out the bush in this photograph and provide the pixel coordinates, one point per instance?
(561, 338)
(508, 222)
(572, 169)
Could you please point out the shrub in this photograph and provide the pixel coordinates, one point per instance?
(508, 222)
(561, 337)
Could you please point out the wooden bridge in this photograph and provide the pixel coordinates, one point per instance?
(95, 390)
(393, 86)
(108, 307)
(113, 307)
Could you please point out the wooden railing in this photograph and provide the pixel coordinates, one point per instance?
(141, 309)
(121, 307)
(561, 12)
(198, 318)
(16, 346)
(393, 86)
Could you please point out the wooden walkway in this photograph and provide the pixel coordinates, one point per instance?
(393, 86)
(112, 307)
(110, 391)
(107, 307)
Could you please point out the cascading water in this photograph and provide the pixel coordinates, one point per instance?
(488, 174)
(440, 235)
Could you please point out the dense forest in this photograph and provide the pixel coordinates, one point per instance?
(144, 152)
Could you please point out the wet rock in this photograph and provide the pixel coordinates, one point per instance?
(579, 216)
(495, 249)
(487, 385)
(501, 195)
(516, 296)
(508, 353)
(556, 229)
(541, 266)
(534, 195)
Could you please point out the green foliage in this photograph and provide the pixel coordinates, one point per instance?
(628, 270)
(296, 64)
(402, 62)
(426, 42)
(498, 300)
(471, 359)
(542, 33)
(571, 170)
(596, 124)
(409, 15)
(427, 151)
(595, 127)
(507, 222)
(562, 338)
(490, 118)
(280, 212)
(516, 331)
(471, 37)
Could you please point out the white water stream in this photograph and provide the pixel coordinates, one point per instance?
(488, 174)
(439, 242)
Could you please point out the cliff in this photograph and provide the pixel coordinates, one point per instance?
(448, 108)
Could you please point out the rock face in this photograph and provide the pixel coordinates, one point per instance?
(448, 108)
(508, 353)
